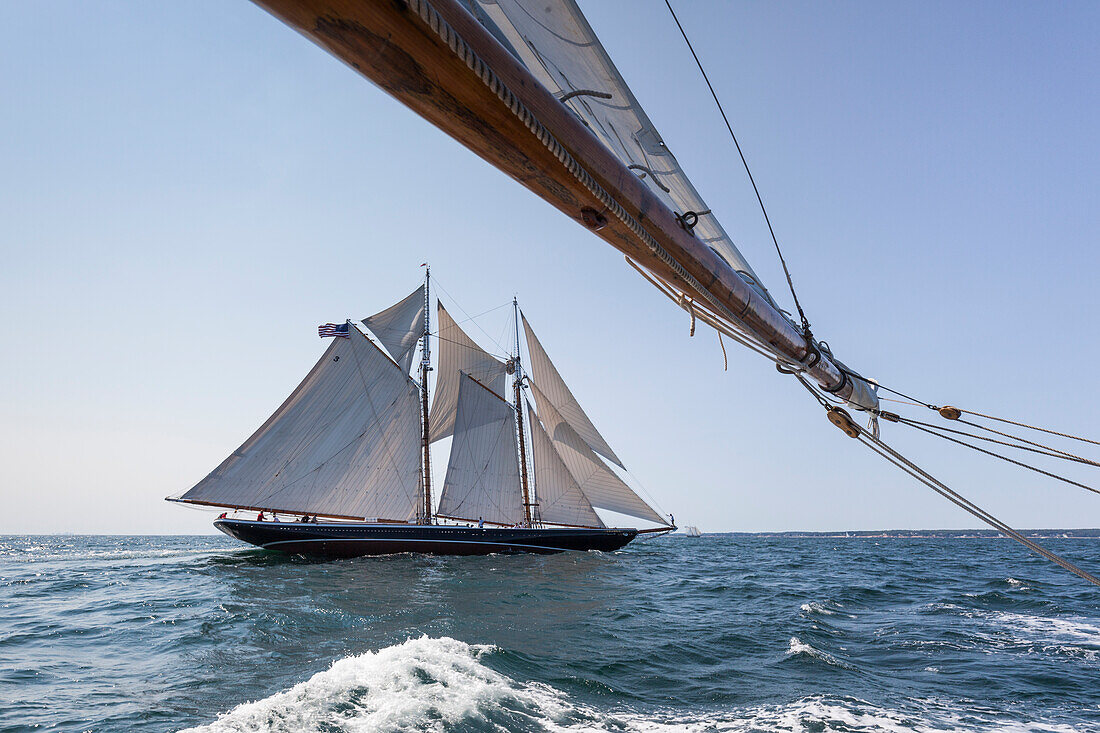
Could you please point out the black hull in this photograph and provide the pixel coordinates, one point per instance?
(357, 539)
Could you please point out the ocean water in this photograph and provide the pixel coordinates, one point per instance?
(716, 634)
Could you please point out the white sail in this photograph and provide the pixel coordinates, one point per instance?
(345, 443)
(560, 500)
(457, 354)
(597, 482)
(400, 327)
(483, 473)
(557, 392)
(555, 42)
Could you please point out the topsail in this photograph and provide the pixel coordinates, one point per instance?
(399, 327)
(458, 355)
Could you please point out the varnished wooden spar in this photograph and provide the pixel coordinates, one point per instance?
(388, 43)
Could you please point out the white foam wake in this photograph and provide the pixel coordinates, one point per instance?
(440, 685)
(422, 684)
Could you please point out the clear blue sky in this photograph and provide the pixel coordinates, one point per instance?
(187, 189)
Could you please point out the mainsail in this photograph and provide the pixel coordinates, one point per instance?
(555, 42)
(400, 327)
(483, 476)
(459, 354)
(560, 499)
(597, 482)
(558, 394)
(344, 443)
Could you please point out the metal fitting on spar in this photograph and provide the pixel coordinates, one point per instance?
(593, 219)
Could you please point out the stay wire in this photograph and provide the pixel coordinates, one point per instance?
(954, 497)
(759, 198)
(1013, 461)
(1043, 450)
(884, 450)
(439, 285)
(935, 408)
(913, 400)
(1031, 427)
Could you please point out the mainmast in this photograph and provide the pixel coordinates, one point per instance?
(517, 384)
(425, 367)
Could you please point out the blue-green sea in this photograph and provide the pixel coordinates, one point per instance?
(721, 633)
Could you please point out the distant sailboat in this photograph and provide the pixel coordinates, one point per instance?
(692, 531)
(351, 445)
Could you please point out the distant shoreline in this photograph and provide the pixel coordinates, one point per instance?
(904, 534)
(911, 534)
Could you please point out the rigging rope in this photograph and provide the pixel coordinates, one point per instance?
(1043, 450)
(960, 411)
(954, 497)
(1031, 427)
(883, 449)
(1013, 461)
(913, 400)
(759, 198)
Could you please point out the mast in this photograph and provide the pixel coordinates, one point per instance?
(517, 384)
(425, 367)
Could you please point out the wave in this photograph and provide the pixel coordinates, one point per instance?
(824, 609)
(1065, 635)
(38, 553)
(1053, 628)
(441, 685)
(421, 684)
(799, 648)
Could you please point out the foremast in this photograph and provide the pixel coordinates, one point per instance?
(517, 385)
(424, 515)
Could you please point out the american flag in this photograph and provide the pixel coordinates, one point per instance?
(339, 330)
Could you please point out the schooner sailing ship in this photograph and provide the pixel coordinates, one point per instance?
(346, 459)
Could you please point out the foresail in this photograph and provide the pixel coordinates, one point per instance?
(483, 473)
(553, 387)
(555, 42)
(597, 482)
(560, 500)
(457, 354)
(400, 327)
(345, 443)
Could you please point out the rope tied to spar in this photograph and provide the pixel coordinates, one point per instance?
(759, 199)
(869, 438)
